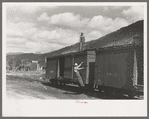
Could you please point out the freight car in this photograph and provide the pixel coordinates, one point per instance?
(112, 69)
(113, 63)
(119, 69)
(60, 69)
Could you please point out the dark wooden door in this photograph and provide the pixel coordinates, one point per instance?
(91, 72)
(62, 64)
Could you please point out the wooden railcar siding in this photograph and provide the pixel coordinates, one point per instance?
(114, 69)
(51, 69)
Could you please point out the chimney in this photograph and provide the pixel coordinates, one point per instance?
(82, 42)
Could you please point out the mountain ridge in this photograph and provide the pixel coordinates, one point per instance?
(120, 37)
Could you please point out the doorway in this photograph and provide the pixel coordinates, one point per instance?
(91, 72)
(62, 65)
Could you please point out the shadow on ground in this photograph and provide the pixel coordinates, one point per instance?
(73, 90)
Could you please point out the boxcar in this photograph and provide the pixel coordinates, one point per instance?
(114, 62)
(119, 69)
(60, 69)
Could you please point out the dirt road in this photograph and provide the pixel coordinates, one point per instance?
(25, 87)
(31, 86)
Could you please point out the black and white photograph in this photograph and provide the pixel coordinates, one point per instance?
(74, 59)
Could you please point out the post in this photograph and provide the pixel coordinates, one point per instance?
(72, 66)
(135, 70)
(58, 68)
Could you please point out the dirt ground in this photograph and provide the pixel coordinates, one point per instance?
(31, 85)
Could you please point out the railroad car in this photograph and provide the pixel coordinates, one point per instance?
(60, 69)
(113, 63)
(112, 70)
(119, 69)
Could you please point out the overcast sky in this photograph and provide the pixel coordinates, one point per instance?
(40, 28)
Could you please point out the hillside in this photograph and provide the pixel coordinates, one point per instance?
(123, 36)
(16, 60)
(25, 56)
